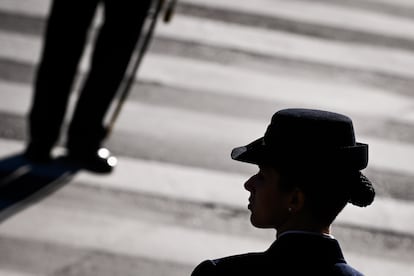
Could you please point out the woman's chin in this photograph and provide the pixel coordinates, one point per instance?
(257, 223)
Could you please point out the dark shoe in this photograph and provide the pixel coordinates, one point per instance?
(37, 154)
(100, 161)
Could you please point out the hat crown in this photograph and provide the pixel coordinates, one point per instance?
(307, 138)
(309, 129)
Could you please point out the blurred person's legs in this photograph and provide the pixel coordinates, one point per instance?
(112, 51)
(64, 41)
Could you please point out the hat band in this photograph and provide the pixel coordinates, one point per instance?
(352, 157)
(347, 158)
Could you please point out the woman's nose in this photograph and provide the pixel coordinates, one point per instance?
(248, 185)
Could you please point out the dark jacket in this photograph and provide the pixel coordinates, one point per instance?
(291, 254)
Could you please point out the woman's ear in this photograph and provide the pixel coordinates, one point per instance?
(296, 200)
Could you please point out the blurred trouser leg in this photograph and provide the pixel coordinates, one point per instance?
(64, 41)
(112, 52)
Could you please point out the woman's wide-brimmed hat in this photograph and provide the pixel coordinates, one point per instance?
(307, 138)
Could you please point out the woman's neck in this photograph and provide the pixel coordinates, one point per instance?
(304, 227)
(303, 232)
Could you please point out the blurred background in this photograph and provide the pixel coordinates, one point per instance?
(211, 80)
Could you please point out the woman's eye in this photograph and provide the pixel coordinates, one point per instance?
(260, 175)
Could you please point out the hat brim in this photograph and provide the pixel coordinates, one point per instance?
(257, 152)
(253, 153)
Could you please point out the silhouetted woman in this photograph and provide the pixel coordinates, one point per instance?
(309, 169)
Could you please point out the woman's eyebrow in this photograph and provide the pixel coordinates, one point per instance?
(262, 166)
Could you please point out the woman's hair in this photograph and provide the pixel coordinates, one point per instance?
(327, 192)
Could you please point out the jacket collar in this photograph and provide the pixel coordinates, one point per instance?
(312, 247)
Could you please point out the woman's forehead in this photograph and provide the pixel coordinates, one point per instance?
(268, 168)
(263, 166)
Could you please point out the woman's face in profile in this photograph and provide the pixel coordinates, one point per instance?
(269, 205)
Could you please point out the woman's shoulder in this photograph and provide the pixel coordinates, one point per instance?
(258, 264)
(344, 269)
(244, 264)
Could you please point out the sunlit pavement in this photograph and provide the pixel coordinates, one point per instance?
(211, 81)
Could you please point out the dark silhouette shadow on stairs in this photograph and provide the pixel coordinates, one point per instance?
(23, 183)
